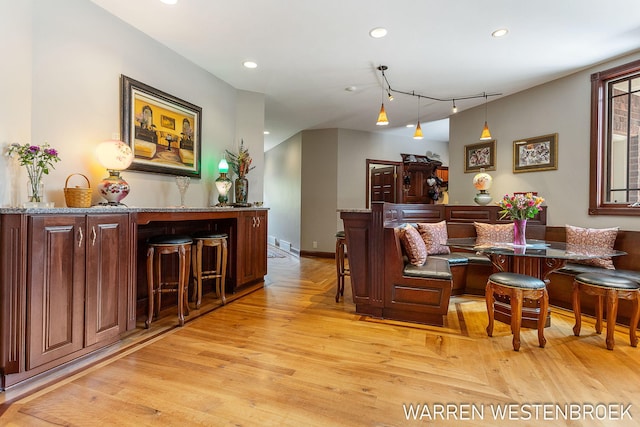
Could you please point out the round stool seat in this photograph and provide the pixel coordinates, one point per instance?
(340, 235)
(606, 281)
(209, 235)
(169, 239)
(515, 280)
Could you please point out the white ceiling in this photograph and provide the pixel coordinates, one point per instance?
(309, 51)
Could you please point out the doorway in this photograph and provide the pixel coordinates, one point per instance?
(383, 181)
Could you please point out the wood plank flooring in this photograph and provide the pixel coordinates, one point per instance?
(288, 355)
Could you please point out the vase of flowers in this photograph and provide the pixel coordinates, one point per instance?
(519, 208)
(37, 159)
(240, 164)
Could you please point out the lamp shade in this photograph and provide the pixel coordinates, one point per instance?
(223, 166)
(485, 132)
(114, 155)
(382, 117)
(418, 133)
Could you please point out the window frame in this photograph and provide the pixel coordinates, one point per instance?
(598, 155)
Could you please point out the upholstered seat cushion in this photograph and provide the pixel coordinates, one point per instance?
(516, 280)
(340, 234)
(209, 235)
(454, 258)
(434, 268)
(476, 258)
(169, 239)
(606, 281)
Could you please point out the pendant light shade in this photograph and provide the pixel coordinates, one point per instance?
(418, 133)
(382, 117)
(485, 132)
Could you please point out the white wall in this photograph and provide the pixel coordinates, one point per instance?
(65, 91)
(283, 190)
(561, 106)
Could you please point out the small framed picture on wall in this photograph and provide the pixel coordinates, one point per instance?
(480, 156)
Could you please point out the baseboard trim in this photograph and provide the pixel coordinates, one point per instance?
(317, 254)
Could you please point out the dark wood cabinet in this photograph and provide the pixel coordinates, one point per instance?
(252, 247)
(65, 281)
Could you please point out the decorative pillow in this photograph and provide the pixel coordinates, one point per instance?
(493, 233)
(435, 236)
(413, 245)
(603, 238)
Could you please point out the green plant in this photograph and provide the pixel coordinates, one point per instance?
(37, 159)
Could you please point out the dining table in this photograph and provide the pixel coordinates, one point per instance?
(538, 258)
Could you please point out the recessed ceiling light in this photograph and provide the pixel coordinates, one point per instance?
(169, 1)
(266, 132)
(500, 33)
(250, 64)
(350, 88)
(410, 125)
(378, 32)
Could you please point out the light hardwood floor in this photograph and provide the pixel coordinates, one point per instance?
(288, 355)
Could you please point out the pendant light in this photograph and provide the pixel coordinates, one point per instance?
(382, 116)
(485, 135)
(454, 109)
(418, 133)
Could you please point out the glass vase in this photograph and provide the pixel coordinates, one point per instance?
(35, 190)
(242, 189)
(519, 230)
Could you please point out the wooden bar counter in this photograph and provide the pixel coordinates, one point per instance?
(73, 280)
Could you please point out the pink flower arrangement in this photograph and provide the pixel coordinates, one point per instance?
(520, 206)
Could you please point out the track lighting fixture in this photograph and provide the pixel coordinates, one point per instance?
(382, 116)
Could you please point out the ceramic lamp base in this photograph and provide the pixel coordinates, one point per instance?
(113, 188)
(482, 198)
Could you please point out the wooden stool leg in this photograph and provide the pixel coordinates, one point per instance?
(488, 292)
(181, 278)
(150, 287)
(576, 309)
(218, 267)
(194, 268)
(198, 272)
(599, 304)
(158, 280)
(516, 317)
(339, 274)
(542, 317)
(223, 272)
(633, 323)
(612, 312)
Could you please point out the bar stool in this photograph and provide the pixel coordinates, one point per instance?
(165, 245)
(218, 242)
(613, 288)
(342, 271)
(516, 287)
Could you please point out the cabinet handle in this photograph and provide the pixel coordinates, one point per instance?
(93, 236)
(253, 220)
(259, 219)
(80, 237)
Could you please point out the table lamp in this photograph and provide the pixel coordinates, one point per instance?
(223, 184)
(114, 156)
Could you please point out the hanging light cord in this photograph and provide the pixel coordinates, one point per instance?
(383, 68)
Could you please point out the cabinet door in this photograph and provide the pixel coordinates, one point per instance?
(106, 278)
(55, 287)
(252, 246)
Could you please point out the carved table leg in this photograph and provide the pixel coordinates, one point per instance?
(576, 309)
(488, 292)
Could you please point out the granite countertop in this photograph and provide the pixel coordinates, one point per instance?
(127, 209)
(355, 210)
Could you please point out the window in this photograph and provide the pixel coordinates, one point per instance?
(615, 156)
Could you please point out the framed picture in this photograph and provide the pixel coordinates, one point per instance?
(536, 154)
(163, 131)
(480, 156)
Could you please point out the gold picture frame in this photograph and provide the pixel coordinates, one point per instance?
(480, 156)
(535, 154)
(162, 130)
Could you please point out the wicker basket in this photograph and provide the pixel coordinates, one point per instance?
(77, 197)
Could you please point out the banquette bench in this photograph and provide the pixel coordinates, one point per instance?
(385, 285)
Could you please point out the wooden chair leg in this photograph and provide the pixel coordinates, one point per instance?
(223, 272)
(542, 317)
(576, 309)
(516, 317)
(612, 312)
(633, 323)
(488, 292)
(599, 304)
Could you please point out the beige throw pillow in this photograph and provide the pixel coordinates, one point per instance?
(413, 245)
(603, 238)
(493, 233)
(435, 237)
